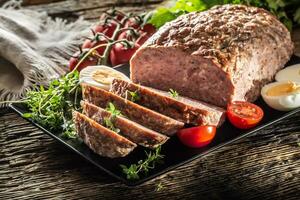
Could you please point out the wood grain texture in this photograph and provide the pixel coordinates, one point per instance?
(34, 166)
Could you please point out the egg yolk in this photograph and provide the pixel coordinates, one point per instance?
(283, 89)
(105, 76)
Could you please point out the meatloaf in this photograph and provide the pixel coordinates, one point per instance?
(226, 53)
(180, 108)
(132, 111)
(100, 139)
(129, 129)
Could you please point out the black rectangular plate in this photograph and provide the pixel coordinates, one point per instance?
(175, 153)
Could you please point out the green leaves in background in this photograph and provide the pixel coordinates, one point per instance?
(287, 11)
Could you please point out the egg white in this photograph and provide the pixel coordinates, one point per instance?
(283, 102)
(290, 73)
(86, 76)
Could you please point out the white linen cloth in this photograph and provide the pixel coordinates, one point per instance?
(34, 48)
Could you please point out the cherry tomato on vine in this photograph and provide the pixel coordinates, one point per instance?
(146, 32)
(244, 115)
(149, 29)
(90, 60)
(196, 137)
(90, 43)
(108, 29)
(133, 22)
(129, 35)
(121, 54)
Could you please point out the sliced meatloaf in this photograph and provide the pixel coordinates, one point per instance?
(226, 53)
(132, 111)
(100, 139)
(180, 108)
(129, 129)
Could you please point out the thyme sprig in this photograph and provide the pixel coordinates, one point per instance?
(173, 93)
(109, 121)
(134, 96)
(52, 107)
(143, 166)
(112, 109)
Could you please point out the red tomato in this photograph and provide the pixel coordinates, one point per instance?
(244, 115)
(108, 29)
(132, 22)
(148, 28)
(120, 54)
(89, 61)
(146, 32)
(196, 137)
(93, 43)
(143, 38)
(128, 35)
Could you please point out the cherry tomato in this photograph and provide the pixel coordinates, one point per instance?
(148, 28)
(132, 22)
(89, 61)
(196, 137)
(121, 54)
(129, 36)
(143, 38)
(146, 32)
(108, 29)
(244, 115)
(90, 43)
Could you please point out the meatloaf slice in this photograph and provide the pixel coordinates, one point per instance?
(132, 111)
(183, 109)
(226, 53)
(129, 129)
(100, 139)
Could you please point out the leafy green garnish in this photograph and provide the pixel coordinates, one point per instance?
(109, 121)
(112, 109)
(287, 11)
(134, 96)
(143, 166)
(52, 107)
(173, 93)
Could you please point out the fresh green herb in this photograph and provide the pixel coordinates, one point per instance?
(143, 166)
(173, 93)
(108, 123)
(112, 109)
(52, 107)
(134, 96)
(287, 11)
(69, 130)
(159, 187)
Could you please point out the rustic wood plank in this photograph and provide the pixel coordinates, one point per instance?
(265, 165)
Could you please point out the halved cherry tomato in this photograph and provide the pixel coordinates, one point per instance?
(89, 61)
(196, 137)
(121, 54)
(244, 115)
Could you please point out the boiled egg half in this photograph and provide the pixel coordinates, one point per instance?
(100, 76)
(282, 95)
(290, 73)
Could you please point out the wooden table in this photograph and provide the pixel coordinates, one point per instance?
(34, 166)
